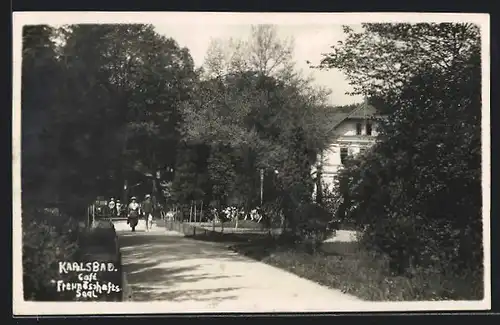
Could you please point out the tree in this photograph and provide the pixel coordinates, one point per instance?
(92, 116)
(117, 106)
(263, 52)
(417, 193)
(40, 76)
(265, 115)
(382, 58)
(190, 180)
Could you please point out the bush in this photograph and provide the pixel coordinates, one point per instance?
(273, 214)
(416, 195)
(50, 238)
(312, 225)
(332, 202)
(100, 244)
(47, 240)
(102, 236)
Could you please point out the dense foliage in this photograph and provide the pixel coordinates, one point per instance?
(416, 195)
(93, 116)
(47, 240)
(102, 111)
(254, 112)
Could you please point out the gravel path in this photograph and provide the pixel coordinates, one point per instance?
(195, 276)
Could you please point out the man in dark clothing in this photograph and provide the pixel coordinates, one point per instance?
(147, 208)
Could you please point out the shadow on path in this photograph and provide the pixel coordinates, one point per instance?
(173, 268)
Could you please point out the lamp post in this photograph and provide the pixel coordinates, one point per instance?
(262, 184)
(170, 172)
(155, 181)
(275, 182)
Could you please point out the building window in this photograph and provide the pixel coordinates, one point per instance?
(362, 150)
(358, 128)
(368, 128)
(343, 155)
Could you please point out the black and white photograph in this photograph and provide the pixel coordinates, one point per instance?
(250, 162)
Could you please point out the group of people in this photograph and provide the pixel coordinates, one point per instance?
(232, 213)
(134, 211)
(115, 208)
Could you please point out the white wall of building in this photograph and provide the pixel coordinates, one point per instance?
(347, 138)
(348, 128)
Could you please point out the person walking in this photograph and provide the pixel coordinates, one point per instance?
(147, 208)
(118, 208)
(134, 210)
(111, 208)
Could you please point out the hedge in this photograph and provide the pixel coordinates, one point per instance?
(49, 239)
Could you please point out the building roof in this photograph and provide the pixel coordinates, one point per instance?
(360, 111)
(364, 110)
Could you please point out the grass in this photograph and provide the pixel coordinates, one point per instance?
(344, 266)
(366, 277)
(243, 224)
(347, 267)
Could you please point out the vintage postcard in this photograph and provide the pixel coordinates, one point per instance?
(250, 162)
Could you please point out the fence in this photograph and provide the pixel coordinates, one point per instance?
(189, 229)
(207, 230)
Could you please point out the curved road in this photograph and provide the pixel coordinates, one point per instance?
(195, 276)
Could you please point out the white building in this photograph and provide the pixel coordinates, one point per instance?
(353, 133)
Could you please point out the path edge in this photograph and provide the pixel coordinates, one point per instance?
(127, 293)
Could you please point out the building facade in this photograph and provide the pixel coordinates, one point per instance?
(353, 134)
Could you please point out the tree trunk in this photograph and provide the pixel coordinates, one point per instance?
(195, 204)
(222, 225)
(282, 223)
(191, 212)
(92, 215)
(319, 190)
(88, 216)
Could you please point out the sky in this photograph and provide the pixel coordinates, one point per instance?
(310, 42)
(314, 33)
